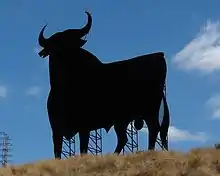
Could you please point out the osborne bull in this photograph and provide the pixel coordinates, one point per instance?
(87, 94)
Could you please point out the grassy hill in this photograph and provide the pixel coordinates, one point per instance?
(198, 162)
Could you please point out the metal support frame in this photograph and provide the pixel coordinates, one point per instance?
(132, 144)
(160, 143)
(5, 147)
(69, 147)
(95, 142)
(94, 147)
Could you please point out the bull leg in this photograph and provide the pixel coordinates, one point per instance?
(165, 125)
(153, 129)
(54, 118)
(84, 141)
(57, 143)
(121, 132)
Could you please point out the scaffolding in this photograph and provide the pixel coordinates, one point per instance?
(132, 144)
(94, 147)
(159, 142)
(69, 147)
(6, 148)
(95, 142)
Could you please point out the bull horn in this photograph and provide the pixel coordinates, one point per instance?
(41, 39)
(85, 30)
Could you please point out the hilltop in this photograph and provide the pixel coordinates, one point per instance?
(197, 162)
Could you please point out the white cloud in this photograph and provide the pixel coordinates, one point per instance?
(203, 52)
(176, 135)
(3, 91)
(33, 91)
(214, 104)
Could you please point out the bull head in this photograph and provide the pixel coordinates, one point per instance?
(67, 38)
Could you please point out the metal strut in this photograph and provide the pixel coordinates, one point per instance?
(94, 146)
(69, 147)
(6, 148)
(95, 142)
(132, 144)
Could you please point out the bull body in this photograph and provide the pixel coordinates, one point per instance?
(108, 90)
(87, 94)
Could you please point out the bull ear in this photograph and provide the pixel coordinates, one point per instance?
(43, 53)
(82, 42)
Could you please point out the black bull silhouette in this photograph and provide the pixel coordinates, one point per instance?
(86, 94)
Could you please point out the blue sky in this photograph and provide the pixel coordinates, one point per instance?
(188, 32)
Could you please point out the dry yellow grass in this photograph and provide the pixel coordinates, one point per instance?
(198, 162)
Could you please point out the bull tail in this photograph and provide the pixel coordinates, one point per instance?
(165, 124)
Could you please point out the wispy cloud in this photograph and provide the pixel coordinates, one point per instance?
(176, 135)
(33, 91)
(3, 91)
(203, 52)
(214, 104)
